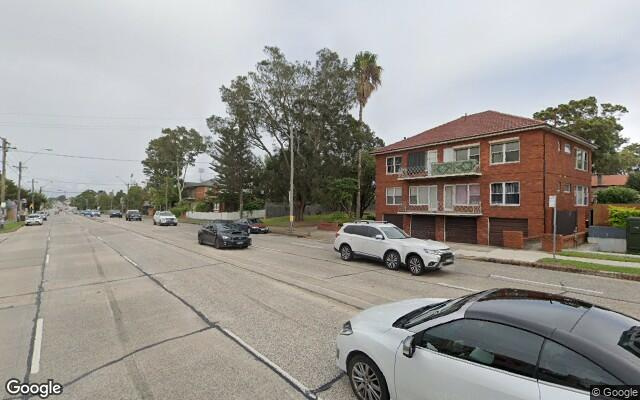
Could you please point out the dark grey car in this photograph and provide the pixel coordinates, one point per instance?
(224, 234)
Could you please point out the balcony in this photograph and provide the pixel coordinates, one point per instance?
(470, 210)
(440, 170)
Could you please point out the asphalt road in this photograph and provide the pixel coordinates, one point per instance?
(128, 310)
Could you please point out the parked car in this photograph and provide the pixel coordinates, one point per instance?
(115, 214)
(95, 213)
(42, 214)
(133, 215)
(496, 344)
(164, 218)
(224, 234)
(390, 244)
(254, 225)
(34, 219)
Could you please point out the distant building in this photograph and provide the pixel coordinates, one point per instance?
(601, 182)
(202, 191)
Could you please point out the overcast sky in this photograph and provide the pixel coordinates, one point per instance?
(101, 78)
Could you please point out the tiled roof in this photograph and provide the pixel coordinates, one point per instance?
(208, 183)
(483, 123)
(609, 180)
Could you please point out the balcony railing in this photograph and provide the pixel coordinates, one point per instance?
(440, 209)
(437, 170)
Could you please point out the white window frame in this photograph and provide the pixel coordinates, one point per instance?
(504, 194)
(567, 148)
(419, 201)
(581, 162)
(468, 202)
(396, 166)
(468, 149)
(582, 195)
(564, 187)
(503, 144)
(395, 194)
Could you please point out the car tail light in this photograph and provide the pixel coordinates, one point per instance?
(337, 234)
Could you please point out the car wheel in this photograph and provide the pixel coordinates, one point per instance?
(216, 243)
(392, 260)
(199, 240)
(366, 379)
(154, 222)
(415, 264)
(345, 252)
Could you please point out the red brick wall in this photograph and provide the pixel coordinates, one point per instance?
(513, 239)
(560, 167)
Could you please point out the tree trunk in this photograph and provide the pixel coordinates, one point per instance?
(299, 206)
(241, 201)
(360, 114)
(359, 195)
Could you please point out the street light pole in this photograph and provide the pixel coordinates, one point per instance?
(3, 189)
(291, 186)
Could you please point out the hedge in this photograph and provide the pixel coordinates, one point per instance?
(618, 215)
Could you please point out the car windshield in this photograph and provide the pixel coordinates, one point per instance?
(34, 216)
(255, 220)
(393, 232)
(423, 314)
(165, 214)
(133, 212)
(230, 227)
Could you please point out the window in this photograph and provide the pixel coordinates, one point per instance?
(505, 193)
(394, 196)
(416, 161)
(486, 343)
(567, 188)
(581, 160)
(507, 152)
(372, 232)
(567, 148)
(582, 195)
(467, 194)
(393, 165)
(423, 195)
(565, 367)
(469, 153)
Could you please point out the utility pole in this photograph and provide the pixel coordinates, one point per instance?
(33, 191)
(3, 188)
(291, 186)
(359, 183)
(19, 188)
(166, 193)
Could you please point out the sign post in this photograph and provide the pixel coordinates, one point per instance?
(552, 204)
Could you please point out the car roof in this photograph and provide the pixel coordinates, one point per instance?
(377, 224)
(604, 336)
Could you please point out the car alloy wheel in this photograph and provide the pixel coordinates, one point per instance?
(392, 260)
(415, 264)
(366, 379)
(345, 252)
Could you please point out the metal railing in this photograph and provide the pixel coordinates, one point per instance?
(470, 209)
(450, 168)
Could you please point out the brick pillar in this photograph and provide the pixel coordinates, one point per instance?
(440, 228)
(482, 226)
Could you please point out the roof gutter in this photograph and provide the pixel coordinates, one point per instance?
(486, 135)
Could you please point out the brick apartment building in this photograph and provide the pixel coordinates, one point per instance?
(476, 177)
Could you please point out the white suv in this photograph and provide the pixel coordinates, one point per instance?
(386, 242)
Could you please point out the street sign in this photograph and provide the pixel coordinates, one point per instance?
(552, 201)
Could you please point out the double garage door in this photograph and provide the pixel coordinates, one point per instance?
(498, 225)
(458, 229)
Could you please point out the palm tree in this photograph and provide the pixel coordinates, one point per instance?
(367, 73)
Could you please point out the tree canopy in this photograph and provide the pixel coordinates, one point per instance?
(597, 123)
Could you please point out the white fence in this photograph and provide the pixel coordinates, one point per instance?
(225, 215)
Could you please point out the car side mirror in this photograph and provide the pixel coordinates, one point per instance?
(408, 346)
(379, 237)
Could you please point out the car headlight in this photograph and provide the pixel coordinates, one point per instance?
(436, 252)
(225, 237)
(346, 328)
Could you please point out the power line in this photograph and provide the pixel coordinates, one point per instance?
(91, 157)
(116, 117)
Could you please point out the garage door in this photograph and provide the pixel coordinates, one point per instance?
(423, 226)
(461, 230)
(499, 225)
(395, 219)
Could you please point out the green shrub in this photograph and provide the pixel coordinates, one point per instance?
(618, 215)
(617, 195)
(178, 211)
(370, 217)
(203, 207)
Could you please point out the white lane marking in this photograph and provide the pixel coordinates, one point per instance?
(100, 239)
(507, 278)
(457, 287)
(272, 365)
(35, 359)
(130, 261)
(46, 262)
(308, 245)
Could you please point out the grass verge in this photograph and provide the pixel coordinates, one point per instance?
(599, 256)
(337, 217)
(590, 266)
(12, 227)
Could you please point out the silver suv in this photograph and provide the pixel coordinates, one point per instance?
(386, 242)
